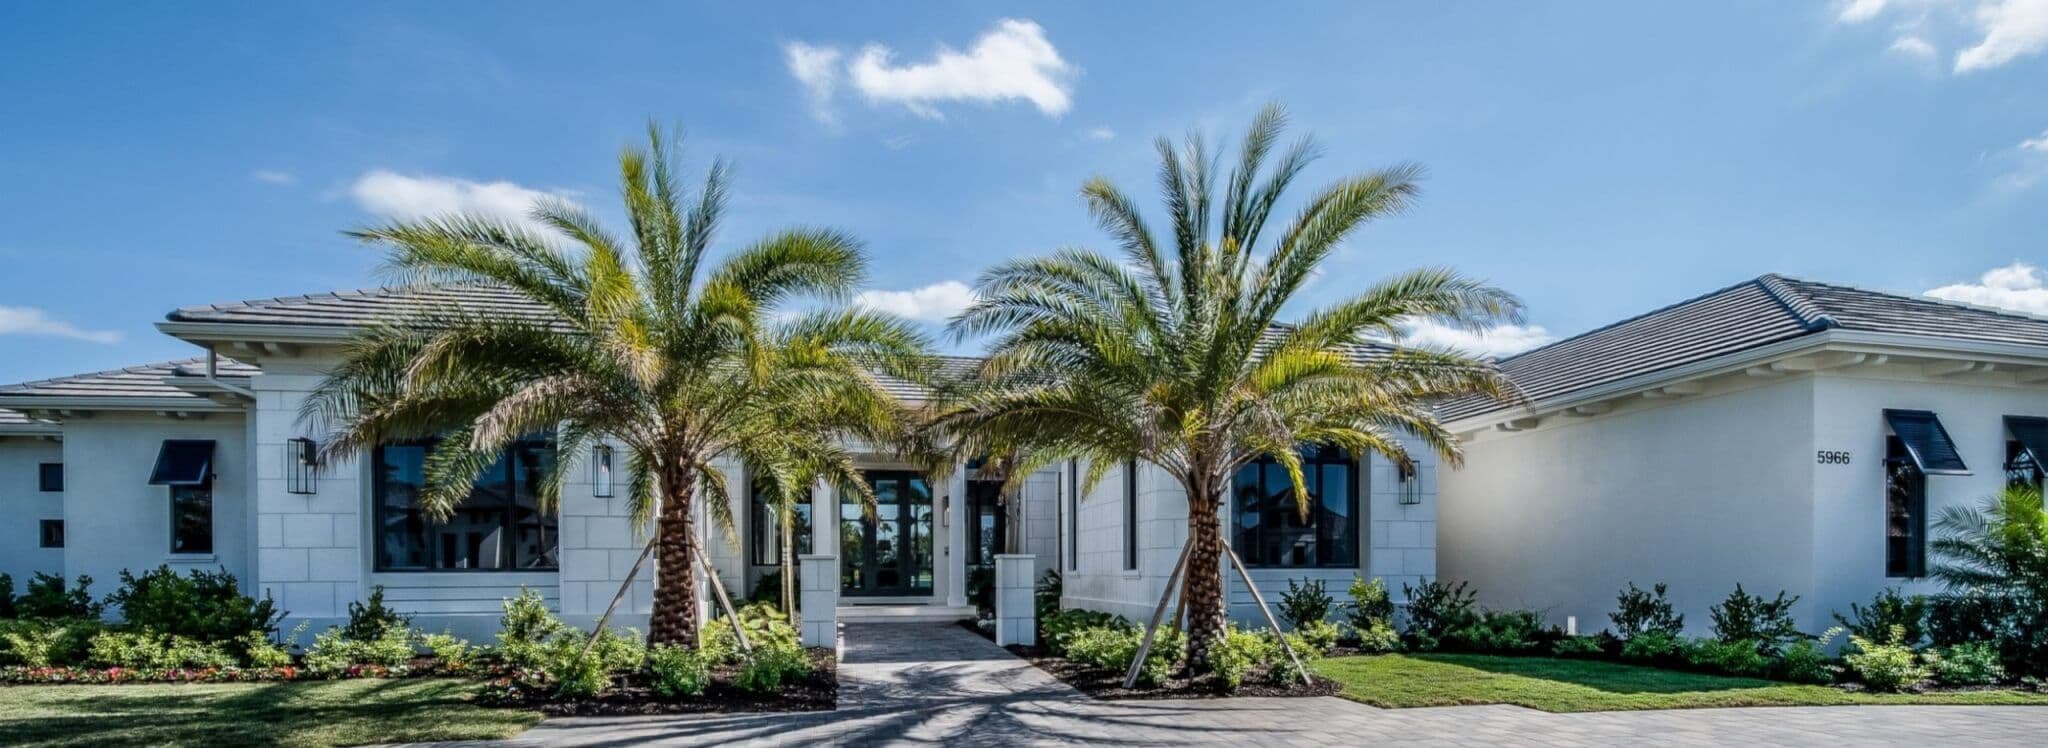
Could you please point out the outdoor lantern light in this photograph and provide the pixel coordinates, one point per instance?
(301, 468)
(601, 467)
(1410, 483)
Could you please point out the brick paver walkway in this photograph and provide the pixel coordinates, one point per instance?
(937, 684)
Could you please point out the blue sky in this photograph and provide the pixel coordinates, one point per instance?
(1597, 158)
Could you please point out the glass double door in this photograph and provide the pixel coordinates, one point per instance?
(889, 554)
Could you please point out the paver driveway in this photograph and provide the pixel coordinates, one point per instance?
(930, 684)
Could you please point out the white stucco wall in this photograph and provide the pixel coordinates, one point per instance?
(21, 551)
(1849, 499)
(115, 520)
(1699, 493)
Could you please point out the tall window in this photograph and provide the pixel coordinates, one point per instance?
(1271, 529)
(1073, 515)
(2025, 446)
(2020, 468)
(767, 527)
(52, 531)
(1131, 515)
(50, 477)
(1905, 512)
(192, 518)
(498, 528)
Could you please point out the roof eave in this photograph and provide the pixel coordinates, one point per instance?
(30, 402)
(208, 333)
(1832, 338)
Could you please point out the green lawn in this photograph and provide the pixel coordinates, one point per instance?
(1555, 685)
(314, 713)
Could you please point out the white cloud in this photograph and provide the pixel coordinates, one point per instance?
(2017, 286)
(403, 197)
(268, 176)
(1991, 32)
(817, 68)
(937, 302)
(1500, 340)
(2031, 158)
(1012, 61)
(1100, 133)
(1913, 46)
(22, 320)
(2012, 29)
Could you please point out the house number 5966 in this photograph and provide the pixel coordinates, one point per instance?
(1832, 457)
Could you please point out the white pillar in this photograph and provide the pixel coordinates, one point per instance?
(825, 520)
(1016, 614)
(818, 601)
(956, 538)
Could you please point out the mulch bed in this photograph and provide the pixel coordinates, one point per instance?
(816, 692)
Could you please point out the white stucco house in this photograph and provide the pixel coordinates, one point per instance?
(202, 463)
(1779, 433)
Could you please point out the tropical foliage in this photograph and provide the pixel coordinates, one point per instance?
(645, 342)
(1177, 350)
(1993, 560)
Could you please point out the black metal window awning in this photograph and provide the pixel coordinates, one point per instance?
(183, 462)
(1927, 442)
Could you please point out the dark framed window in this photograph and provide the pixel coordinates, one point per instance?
(2025, 446)
(498, 528)
(52, 533)
(192, 518)
(1073, 515)
(50, 477)
(1131, 515)
(767, 527)
(1905, 512)
(1271, 530)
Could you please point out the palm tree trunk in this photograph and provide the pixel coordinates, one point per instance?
(1203, 594)
(674, 618)
(789, 564)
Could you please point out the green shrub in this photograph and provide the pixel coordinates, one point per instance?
(1381, 637)
(525, 628)
(154, 651)
(47, 598)
(46, 642)
(1887, 665)
(1059, 628)
(766, 667)
(1973, 664)
(1319, 635)
(765, 627)
(1046, 594)
(259, 651)
(202, 605)
(678, 671)
(1371, 607)
(1652, 647)
(1966, 617)
(1888, 609)
(564, 666)
(1435, 609)
(1746, 617)
(1505, 631)
(1112, 647)
(370, 622)
(333, 653)
(1306, 603)
(452, 652)
(1742, 657)
(1808, 661)
(1281, 669)
(1637, 611)
(1237, 654)
(1580, 646)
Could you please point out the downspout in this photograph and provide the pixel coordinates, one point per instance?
(212, 369)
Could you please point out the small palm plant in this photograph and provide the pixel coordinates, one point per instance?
(1175, 351)
(644, 342)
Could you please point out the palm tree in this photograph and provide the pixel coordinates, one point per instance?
(645, 343)
(1174, 353)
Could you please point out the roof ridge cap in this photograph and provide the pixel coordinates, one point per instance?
(1796, 302)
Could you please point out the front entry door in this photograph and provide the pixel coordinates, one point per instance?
(890, 555)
